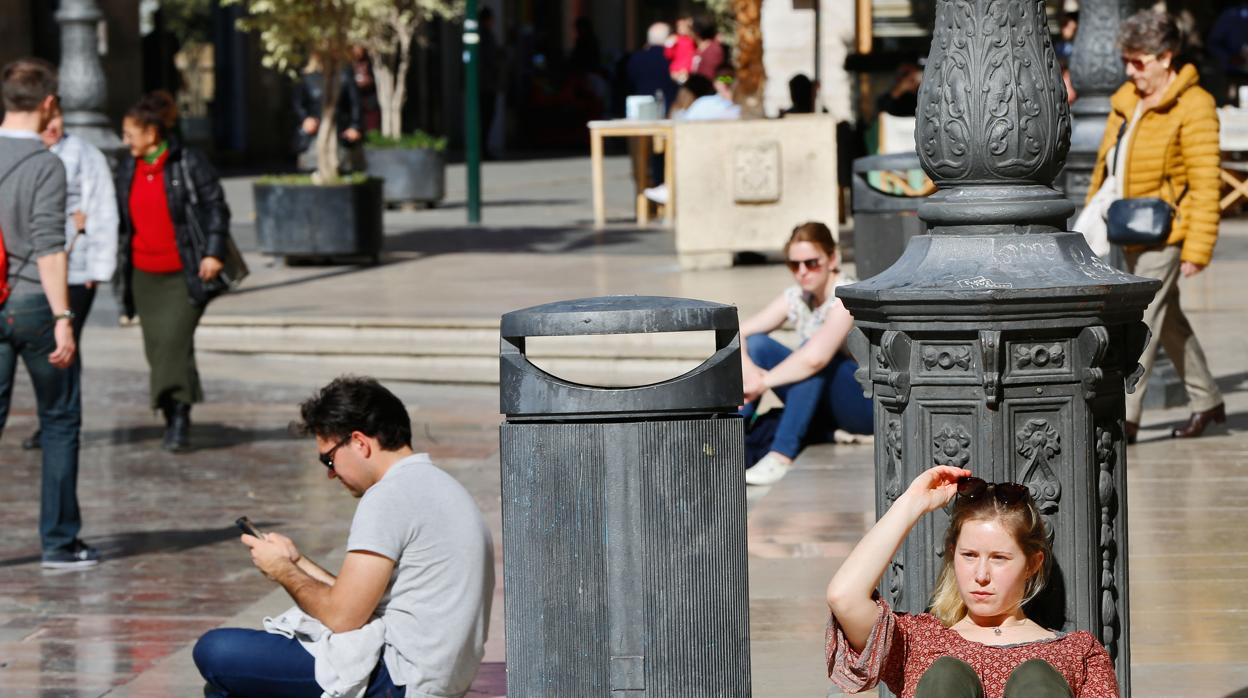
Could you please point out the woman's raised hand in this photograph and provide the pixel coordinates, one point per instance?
(934, 487)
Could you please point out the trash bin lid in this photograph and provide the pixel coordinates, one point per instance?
(618, 315)
(527, 392)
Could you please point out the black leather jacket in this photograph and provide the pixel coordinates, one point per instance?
(213, 215)
(309, 92)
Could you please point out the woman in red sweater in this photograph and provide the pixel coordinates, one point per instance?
(976, 640)
(170, 252)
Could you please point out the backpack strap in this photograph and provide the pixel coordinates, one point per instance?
(3, 177)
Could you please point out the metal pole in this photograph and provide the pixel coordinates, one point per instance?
(472, 109)
(83, 89)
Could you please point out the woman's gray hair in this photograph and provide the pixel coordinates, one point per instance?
(1150, 32)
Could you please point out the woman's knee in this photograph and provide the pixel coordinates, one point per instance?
(763, 349)
(1036, 678)
(949, 677)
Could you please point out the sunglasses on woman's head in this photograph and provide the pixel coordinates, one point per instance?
(811, 264)
(1007, 493)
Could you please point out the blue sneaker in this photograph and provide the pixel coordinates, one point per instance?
(77, 556)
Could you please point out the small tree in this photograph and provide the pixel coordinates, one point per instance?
(387, 30)
(294, 31)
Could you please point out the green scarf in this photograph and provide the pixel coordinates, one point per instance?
(152, 157)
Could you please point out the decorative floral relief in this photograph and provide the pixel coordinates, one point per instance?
(1038, 443)
(951, 446)
(1039, 356)
(1094, 66)
(947, 358)
(892, 490)
(1107, 496)
(992, 103)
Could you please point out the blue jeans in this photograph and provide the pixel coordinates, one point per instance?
(813, 408)
(26, 331)
(239, 663)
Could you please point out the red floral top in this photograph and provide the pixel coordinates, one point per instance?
(902, 646)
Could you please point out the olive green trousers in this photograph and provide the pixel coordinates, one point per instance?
(168, 320)
(953, 678)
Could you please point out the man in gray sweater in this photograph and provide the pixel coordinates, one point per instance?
(35, 321)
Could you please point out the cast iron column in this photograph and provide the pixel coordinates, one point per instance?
(1096, 72)
(1000, 342)
(83, 90)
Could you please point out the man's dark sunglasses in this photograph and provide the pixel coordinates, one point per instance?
(1008, 493)
(327, 458)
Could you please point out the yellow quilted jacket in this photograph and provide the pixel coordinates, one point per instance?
(1175, 145)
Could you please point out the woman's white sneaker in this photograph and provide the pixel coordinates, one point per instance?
(767, 471)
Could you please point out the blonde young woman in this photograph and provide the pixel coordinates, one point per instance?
(976, 640)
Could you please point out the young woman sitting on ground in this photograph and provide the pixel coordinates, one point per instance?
(816, 381)
(976, 640)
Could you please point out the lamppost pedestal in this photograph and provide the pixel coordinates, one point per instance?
(1001, 342)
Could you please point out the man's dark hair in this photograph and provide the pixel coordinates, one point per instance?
(27, 82)
(802, 94)
(700, 85)
(704, 28)
(355, 403)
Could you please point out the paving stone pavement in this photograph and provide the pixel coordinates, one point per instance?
(174, 567)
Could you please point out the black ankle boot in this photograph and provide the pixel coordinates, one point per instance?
(34, 441)
(178, 428)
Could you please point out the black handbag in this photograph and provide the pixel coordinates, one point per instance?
(1139, 221)
(233, 266)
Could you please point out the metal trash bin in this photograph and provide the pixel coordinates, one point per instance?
(883, 222)
(624, 521)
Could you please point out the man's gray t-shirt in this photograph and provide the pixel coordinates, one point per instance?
(32, 207)
(437, 607)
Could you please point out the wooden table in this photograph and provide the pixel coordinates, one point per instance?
(653, 137)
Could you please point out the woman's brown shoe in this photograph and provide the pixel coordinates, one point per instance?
(1198, 421)
(1132, 430)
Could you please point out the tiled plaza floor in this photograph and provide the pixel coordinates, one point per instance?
(175, 568)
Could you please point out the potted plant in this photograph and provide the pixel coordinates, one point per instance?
(324, 215)
(412, 165)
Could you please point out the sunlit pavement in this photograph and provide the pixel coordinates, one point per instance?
(173, 567)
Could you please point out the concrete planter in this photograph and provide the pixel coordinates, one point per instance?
(325, 222)
(410, 174)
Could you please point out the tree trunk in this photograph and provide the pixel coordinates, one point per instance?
(384, 79)
(750, 74)
(327, 135)
(405, 35)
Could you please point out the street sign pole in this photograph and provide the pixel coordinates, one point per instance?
(472, 109)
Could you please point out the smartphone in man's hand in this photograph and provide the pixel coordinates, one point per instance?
(248, 527)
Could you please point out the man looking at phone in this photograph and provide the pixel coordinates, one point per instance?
(410, 606)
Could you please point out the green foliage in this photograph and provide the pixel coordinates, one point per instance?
(307, 180)
(188, 20)
(419, 140)
(292, 31)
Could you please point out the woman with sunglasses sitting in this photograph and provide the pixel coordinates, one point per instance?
(976, 639)
(816, 381)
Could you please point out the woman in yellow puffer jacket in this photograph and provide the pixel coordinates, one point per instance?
(1169, 149)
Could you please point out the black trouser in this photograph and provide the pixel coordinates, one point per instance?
(80, 300)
